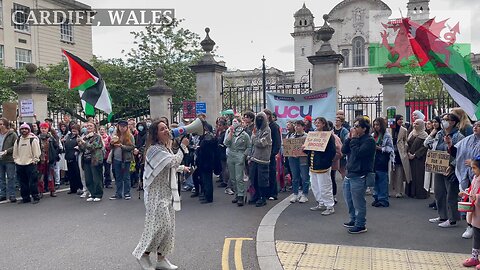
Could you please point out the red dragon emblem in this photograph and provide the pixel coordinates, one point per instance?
(410, 36)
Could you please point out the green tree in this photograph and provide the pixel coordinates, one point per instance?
(423, 86)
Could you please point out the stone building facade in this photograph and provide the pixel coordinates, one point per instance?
(41, 45)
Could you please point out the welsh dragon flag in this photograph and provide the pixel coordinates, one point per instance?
(456, 72)
(90, 85)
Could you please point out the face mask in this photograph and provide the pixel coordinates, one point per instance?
(235, 124)
(148, 124)
(84, 130)
(140, 128)
(445, 124)
(111, 130)
(259, 122)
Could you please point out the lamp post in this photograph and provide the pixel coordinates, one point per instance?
(264, 82)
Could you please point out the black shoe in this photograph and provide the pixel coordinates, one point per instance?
(240, 201)
(194, 195)
(433, 204)
(222, 185)
(260, 203)
(251, 202)
(13, 199)
(35, 201)
(357, 230)
(3, 199)
(235, 200)
(349, 224)
(374, 203)
(72, 192)
(24, 201)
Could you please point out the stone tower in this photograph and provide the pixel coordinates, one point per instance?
(303, 35)
(418, 10)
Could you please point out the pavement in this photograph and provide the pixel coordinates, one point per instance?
(292, 237)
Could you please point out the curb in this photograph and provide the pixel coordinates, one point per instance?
(266, 250)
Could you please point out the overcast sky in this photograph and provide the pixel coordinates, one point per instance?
(244, 30)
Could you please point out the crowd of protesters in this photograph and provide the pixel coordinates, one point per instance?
(245, 152)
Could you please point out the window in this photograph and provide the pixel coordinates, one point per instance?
(358, 52)
(346, 57)
(2, 57)
(66, 32)
(1, 13)
(303, 51)
(22, 57)
(21, 17)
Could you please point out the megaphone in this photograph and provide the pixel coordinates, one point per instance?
(195, 127)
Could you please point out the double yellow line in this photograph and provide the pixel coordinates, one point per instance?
(237, 253)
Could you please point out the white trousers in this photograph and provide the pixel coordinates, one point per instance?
(322, 188)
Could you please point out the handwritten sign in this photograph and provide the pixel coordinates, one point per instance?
(437, 161)
(9, 110)
(26, 108)
(317, 140)
(293, 147)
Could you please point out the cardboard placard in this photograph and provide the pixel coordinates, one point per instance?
(317, 140)
(293, 147)
(9, 110)
(437, 161)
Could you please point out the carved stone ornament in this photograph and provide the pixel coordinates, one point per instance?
(358, 19)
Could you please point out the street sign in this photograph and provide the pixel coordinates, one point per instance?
(201, 107)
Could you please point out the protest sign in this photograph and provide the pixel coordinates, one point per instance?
(317, 140)
(9, 110)
(437, 161)
(293, 147)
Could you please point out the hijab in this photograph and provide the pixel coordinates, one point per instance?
(418, 130)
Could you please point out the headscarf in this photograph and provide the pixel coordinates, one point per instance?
(419, 114)
(419, 130)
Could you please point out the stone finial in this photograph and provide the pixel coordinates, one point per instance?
(325, 34)
(160, 86)
(31, 68)
(207, 46)
(32, 84)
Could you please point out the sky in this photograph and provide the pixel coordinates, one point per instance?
(246, 30)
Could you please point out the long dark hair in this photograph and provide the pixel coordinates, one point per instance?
(324, 121)
(383, 126)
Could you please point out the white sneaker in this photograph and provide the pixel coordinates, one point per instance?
(165, 264)
(294, 198)
(435, 220)
(328, 212)
(145, 262)
(84, 195)
(303, 199)
(468, 233)
(229, 191)
(90, 199)
(97, 199)
(447, 224)
(318, 208)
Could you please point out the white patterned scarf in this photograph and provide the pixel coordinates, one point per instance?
(157, 158)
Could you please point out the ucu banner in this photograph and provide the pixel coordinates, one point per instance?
(290, 107)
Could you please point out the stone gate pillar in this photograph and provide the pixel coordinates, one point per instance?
(209, 80)
(160, 96)
(34, 92)
(394, 92)
(325, 63)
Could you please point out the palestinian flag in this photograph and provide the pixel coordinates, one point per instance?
(456, 72)
(90, 85)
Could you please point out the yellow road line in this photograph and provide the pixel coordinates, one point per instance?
(226, 249)
(237, 253)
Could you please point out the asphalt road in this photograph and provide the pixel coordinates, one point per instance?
(69, 233)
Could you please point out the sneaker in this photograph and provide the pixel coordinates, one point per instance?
(145, 262)
(128, 197)
(294, 198)
(272, 198)
(97, 199)
(260, 203)
(436, 220)
(468, 233)
(303, 199)
(349, 224)
(84, 195)
(90, 199)
(447, 224)
(368, 191)
(328, 212)
(193, 190)
(357, 230)
(471, 262)
(229, 191)
(399, 195)
(318, 208)
(114, 197)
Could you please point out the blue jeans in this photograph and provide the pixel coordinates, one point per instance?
(299, 173)
(7, 179)
(122, 177)
(381, 188)
(354, 193)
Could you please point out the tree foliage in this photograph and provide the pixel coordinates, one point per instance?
(423, 86)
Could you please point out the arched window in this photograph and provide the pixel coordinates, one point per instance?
(358, 53)
(305, 22)
(300, 22)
